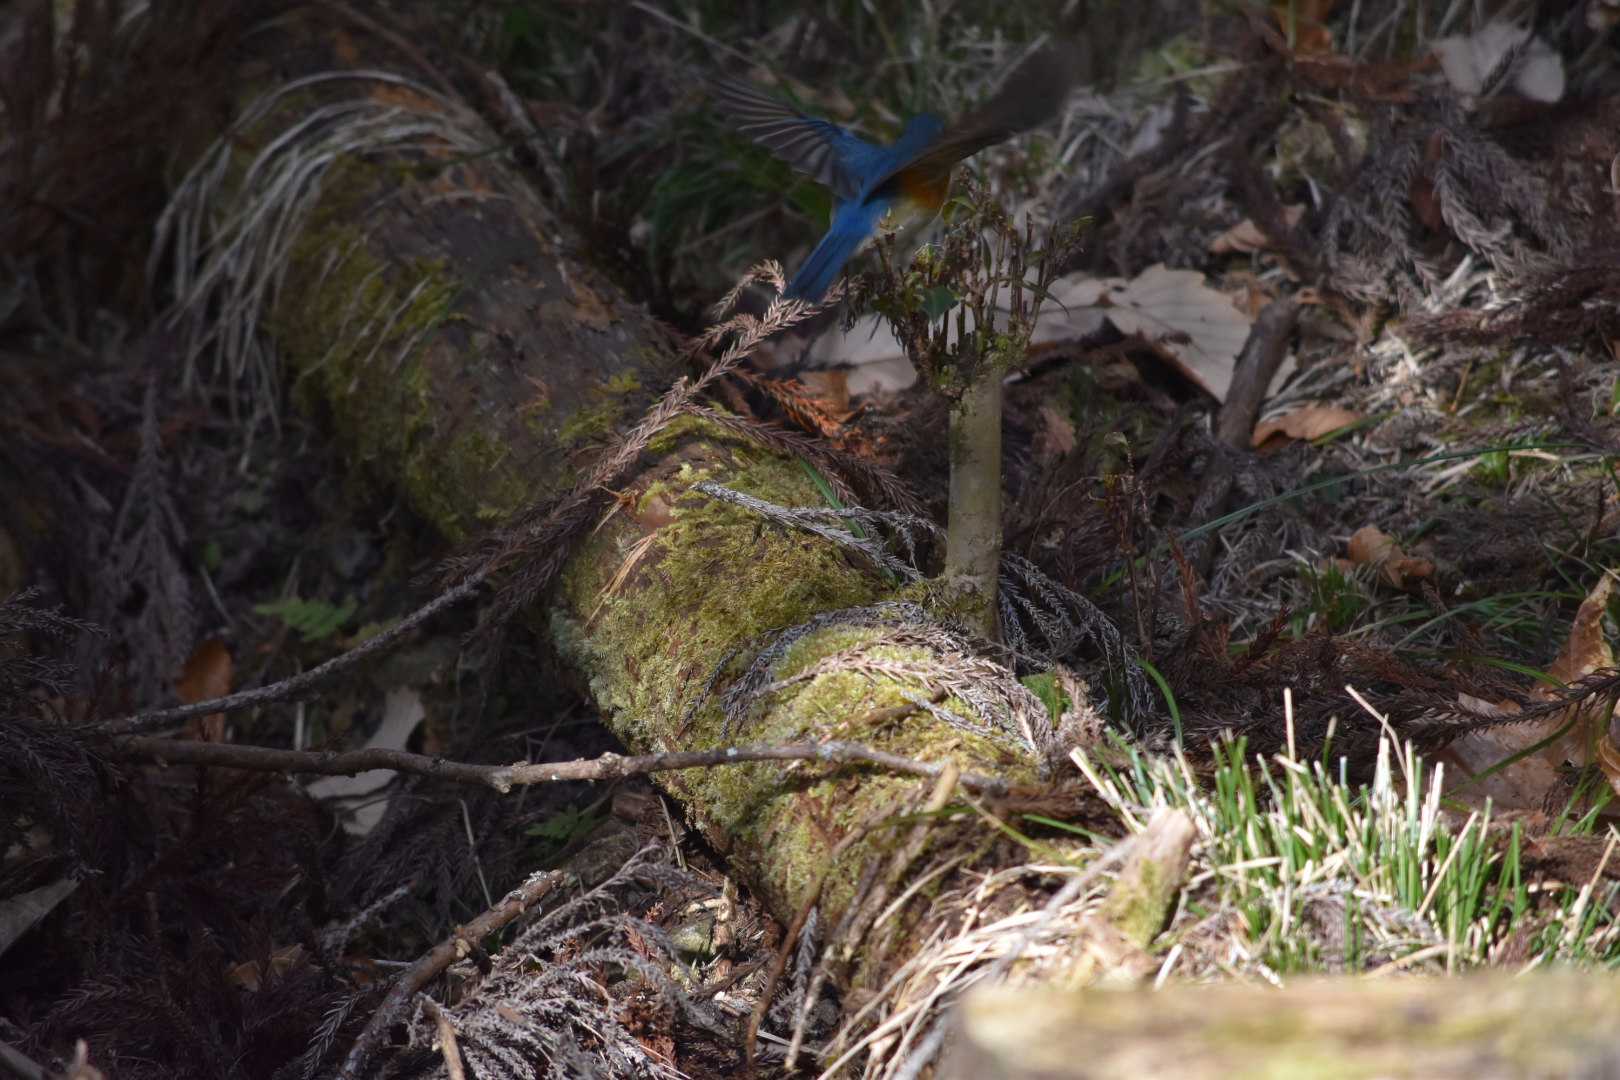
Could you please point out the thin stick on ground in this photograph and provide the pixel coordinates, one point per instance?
(1262, 354)
(446, 1034)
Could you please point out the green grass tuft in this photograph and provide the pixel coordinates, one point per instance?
(1322, 873)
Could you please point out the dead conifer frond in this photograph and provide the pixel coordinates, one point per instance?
(1044, 622)
(854, 528)
(795, 399)
(557, 1000)
(941, 669)
(1573, 306)
(844, 472)
(95, 101)
(50, 769)
(1493, 203)
(144, 588)
(1048, 622)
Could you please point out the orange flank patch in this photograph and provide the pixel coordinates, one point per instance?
(925, 189)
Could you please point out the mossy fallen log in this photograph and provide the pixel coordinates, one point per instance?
(465, 356)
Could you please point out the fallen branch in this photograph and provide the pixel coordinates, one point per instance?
(1256, 366)
(448, 1046)
(503, 778)
(21, 1065)
(1262, 354)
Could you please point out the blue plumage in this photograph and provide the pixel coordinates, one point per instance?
(870, 180)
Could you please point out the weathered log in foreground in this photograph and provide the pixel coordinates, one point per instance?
(467, 358)
(1479, 1027)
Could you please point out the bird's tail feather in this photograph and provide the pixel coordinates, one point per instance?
(817, 274)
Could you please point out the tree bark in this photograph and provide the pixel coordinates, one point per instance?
(973, 533)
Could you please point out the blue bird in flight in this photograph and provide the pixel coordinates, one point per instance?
(908, 178)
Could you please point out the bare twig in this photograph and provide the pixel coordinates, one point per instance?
(448, 1046)
(436, 961)
(305, 681)
(503, 778)
(18, 1064)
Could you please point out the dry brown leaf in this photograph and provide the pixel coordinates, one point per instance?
(1193, 326)
(1305, 422)
(1308, 19)
(247, 974)
(1252, 296)
(1608, 759)
(1526, 783)
(207, 675)
(1522, 785)
(1370, 545)
(1198, 329)
(1245, 238)
(1586, 649)
(1055, 439)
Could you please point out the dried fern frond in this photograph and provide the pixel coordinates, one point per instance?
(1495, 204)
(1047, 623)
(228, 235)
(50, 769)
(936, 664)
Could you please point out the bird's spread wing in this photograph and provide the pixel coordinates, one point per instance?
(1030, 96)
(827, 153)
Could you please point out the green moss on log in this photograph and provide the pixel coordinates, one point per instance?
(648, 619)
